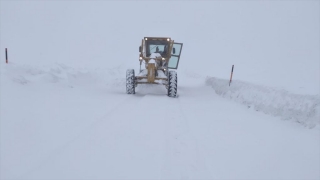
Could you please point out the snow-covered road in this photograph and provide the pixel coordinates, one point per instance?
(64, 113)
(84, 126)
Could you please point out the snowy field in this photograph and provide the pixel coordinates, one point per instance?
(64, 113)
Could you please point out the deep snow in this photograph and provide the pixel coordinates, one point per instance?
(64, 113)
(67, 123)
(304, 109)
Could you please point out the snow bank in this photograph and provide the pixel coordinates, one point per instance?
(304, 109)
(62, 74)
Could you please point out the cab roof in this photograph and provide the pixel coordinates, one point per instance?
(157, 38)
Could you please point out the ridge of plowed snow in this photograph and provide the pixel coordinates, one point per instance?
(62, 74)
(304, 109)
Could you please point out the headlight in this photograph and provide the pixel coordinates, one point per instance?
(162, 58)
(140, 57)
(146, 39)
(168, 39)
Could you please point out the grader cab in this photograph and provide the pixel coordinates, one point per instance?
(159, 56)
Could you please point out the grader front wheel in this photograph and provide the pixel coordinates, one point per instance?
(172, 84)
(130, 82)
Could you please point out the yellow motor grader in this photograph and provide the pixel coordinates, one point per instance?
(160, 55)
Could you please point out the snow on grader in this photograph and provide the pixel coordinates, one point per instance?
(160, 56)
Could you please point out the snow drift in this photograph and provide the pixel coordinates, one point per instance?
(304, 109)
(63, 75)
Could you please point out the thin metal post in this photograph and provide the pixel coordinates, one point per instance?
(6, 56)
(231, 75)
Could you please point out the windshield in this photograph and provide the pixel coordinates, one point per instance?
(157, 46)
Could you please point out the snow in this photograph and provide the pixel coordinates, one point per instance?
(304, 109)
(152, 61)
(64, 113)
(143, 72)
(82, 125)
(155, 55)
(161, 74)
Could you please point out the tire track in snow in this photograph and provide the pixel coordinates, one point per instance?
(190, 157)
(195, 163)
(183, 159)
(179, 144)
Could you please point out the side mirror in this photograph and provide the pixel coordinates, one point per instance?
(173, 50)
(139, 48)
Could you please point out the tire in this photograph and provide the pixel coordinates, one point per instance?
(172, 84)
(130, 82)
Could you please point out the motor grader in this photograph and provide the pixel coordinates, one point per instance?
(159, 56)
